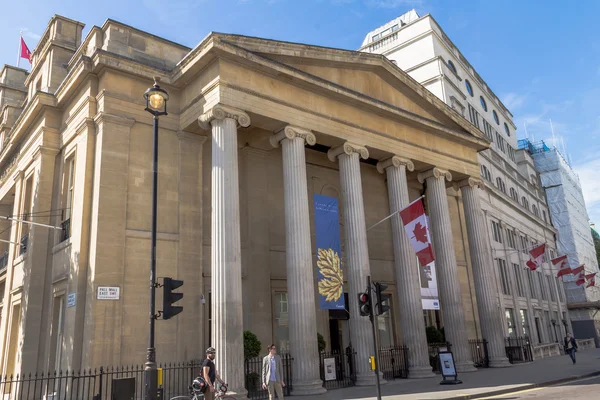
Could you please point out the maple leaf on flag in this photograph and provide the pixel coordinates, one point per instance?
(420, 233)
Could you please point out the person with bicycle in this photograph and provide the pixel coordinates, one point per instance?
(272, 374)
(210, 374)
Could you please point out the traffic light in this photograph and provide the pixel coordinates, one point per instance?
(364, 304)
(381, 298)
(169, 310)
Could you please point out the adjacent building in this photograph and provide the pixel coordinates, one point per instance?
(514, 202)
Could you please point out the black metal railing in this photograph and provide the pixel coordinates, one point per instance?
(518, 349)
(98, 384)
(393, 362)
(338, 369)
(253, 376)
(479, 353)
(24, 242)
(4, 260)
(434, 351)
(66, 229)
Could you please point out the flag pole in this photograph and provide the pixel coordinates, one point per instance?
(19, 52)
(392, 214)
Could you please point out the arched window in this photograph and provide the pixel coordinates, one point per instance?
(506, 129)
(483, 103)
(485, 173)
(452, 67)
(525, 202)
(535, 210)
(514, 195)
(495, 114)
(500, 184)
(469, 87)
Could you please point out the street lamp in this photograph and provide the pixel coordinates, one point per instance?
(554, 325)
(156, 104)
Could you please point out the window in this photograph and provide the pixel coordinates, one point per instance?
(495, 114)
(488, 130)
(485, 173)
(281, 322)
(519, 280)
(500, 184)
(543, 291)
(524, 244)
(511, 152)
(496, 231)
(395, 28)
(561, 295)
(525, 202)
(531, 283)
(551, 288)
(483, 103)
(511, 238)
(514, 194)
(535, 210)
(506, 129)
(504, 277)
(474, 116)
(510, 322)
(548, 325)
(500, 142)
(375, 38)
(525, 322)
(469, 87)
(57, 332)
(544, 214)
(67, 200)
(452, 67)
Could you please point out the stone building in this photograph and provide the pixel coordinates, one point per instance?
(514, 201)
(255, 128)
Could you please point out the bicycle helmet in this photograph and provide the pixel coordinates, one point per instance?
(211, 350)
(199, 385)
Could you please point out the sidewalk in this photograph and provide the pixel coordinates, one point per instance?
(485, 382)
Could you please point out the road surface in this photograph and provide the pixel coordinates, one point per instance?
(584, 389)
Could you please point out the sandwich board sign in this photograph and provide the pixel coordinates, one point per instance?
(448, 369)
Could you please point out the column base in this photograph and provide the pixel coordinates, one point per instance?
(501, 362)
(369, 379)
(418, 372)
(465, 366)
(308, 388)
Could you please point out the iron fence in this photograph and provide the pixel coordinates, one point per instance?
(518, 349)
(253, 374)
(434, 354)
(393, 362)
(479, 353)
(337, 369)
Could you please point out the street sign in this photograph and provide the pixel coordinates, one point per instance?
(109, 293)
(71, 299)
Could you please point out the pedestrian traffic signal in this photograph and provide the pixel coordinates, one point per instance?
(381, 298)
(364, 304)
(169, 298)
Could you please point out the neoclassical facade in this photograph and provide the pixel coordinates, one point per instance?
(255, 128)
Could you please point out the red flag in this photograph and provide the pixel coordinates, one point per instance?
(581, 278)
(564, 268)
(536, 257)
(592, 282)
(25, 53)
(590, 276)
(578, 269)
(416, 228)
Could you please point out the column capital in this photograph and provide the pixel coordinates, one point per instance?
(291, 132)
(470, 182)
(220, 111)
(434, 173)
(395, 161)
(348, 148)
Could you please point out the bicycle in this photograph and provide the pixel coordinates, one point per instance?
(196, 392)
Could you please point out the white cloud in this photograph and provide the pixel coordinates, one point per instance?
(512, 100)
(30, 35)
(588, 175)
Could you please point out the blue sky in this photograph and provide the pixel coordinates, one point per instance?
(542, 58)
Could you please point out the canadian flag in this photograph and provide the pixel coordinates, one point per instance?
(580, 278)
(563, 266)
(592, 281)
(536, 257)
(417, 230)
(578, 269)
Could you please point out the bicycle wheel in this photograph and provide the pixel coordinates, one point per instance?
(182, 398)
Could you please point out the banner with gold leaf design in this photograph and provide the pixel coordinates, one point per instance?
(329, 255)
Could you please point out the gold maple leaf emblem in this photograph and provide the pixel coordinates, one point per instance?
(331, 286)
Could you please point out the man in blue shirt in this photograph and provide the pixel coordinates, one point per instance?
(272, 374)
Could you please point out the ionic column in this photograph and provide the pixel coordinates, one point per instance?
(356, 252)
(490, 316)
(298, 256)
(406, 268)
(446, 268)
(226, 267)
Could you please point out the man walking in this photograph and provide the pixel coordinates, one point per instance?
(571, 347)
(272, 374)
(210, 374)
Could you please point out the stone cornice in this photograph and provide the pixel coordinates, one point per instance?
(103, 117)
(291, 132)
(471, 182)
(397, 162)
(434, 173)
(220, 112)
(348, 148)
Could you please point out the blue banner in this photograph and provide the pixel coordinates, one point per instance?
(329, 255)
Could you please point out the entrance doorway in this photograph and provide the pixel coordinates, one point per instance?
(339, 328)
(537, 330)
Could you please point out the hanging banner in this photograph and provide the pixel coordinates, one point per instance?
(429, 289)
(329, 264)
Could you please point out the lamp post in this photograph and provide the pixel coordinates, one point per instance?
(156, 104)
(554, 325)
